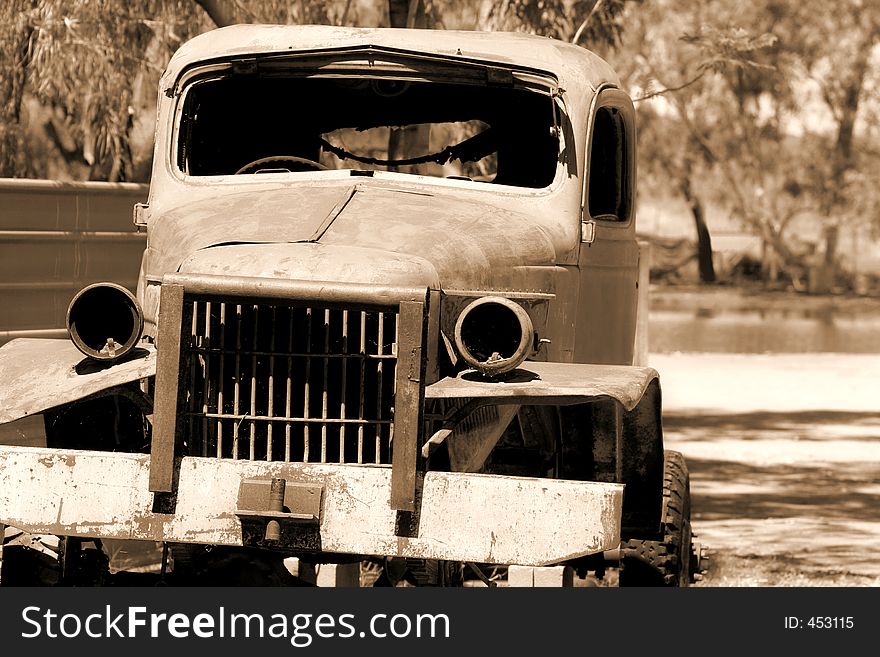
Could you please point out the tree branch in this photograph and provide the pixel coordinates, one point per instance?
(667, 90)
(218, 11)
(580, 31)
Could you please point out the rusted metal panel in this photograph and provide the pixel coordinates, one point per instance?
(474, 438)
(61, 205)
(609, 260)
(39, 374)
(640, 464)
(314, 262)
(465, 517)
(57, 237)
(263, 288)
(435, 229)
(640, 350)
(551, 383)
(408, 404)
(168, 382)
(607, 298)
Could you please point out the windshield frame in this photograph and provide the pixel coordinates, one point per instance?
(375, 64)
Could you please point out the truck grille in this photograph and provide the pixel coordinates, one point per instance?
(293, 383)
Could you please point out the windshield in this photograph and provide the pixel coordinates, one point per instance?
(244, 125)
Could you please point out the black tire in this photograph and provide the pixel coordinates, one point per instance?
(666, 562)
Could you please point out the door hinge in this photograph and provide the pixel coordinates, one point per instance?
(588, 231)
(139, 215)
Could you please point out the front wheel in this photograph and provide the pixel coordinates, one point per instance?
(666, 562)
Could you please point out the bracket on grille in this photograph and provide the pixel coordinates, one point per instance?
(276, 513)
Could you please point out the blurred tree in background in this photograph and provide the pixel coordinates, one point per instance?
(758, 107)
(80, 73)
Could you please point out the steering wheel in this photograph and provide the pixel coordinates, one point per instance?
(256, 165)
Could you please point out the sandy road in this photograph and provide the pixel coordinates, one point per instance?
(784, 455)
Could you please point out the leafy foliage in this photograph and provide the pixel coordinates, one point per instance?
(594, 23)
(91, 69)
(755, 109)
(85, 62)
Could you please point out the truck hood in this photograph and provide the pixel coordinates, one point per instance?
(375, 232)
(314, 262)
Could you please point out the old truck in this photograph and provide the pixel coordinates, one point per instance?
(387, 314)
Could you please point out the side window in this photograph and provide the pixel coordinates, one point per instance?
(611, 171)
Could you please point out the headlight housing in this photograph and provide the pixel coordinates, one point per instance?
(105, 321)
(494, 335)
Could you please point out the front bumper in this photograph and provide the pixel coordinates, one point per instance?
(461, 517)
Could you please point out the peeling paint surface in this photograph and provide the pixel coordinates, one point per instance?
(317, 262)
(469, 242)
(465, 517)
(39, 374)
(561, 383)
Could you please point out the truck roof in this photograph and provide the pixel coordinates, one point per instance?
(577, 69)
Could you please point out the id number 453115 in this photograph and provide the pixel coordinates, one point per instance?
(820, 623)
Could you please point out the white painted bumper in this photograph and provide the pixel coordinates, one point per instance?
(464, 517)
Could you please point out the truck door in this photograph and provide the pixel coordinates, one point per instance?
(608, 262)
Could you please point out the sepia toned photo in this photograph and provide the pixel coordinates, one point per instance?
(439, 293)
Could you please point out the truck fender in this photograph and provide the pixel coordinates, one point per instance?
(38, 374)
(550, 383)
(615, 409)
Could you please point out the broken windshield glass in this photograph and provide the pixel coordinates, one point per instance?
(257, 124)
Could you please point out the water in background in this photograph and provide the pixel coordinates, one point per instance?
(763, 331)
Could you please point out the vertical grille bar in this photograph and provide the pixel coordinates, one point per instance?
(252, 435)
(220, 380)
(271, 401)
(194, 363)
(169, 381)
(289, 392)
(236, 397)
(207, 378)
(395, 347)
(363, 359)
(324, 386)
(343, 387)
(408, 393)
(380, 351)
(306, 384)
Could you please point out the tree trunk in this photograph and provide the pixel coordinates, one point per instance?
(406, 13)
(704, 239)
(222, 12)
(412, 140)
(842, 158)
(826, 276)
(704, 244)
(12, 162)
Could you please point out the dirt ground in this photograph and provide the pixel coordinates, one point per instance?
(784, 455)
